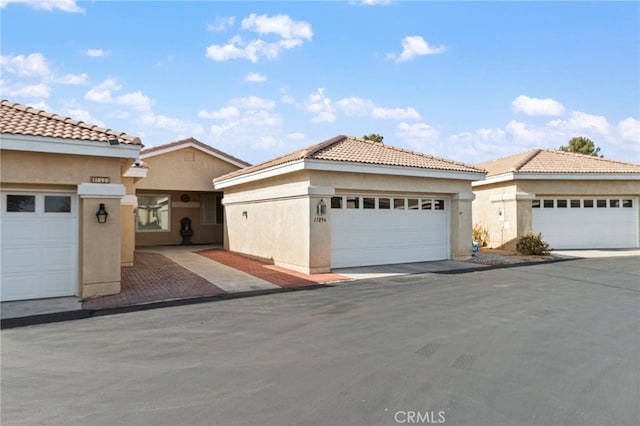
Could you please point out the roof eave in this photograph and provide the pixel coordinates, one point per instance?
(505, 177)
(14, 142)
(344, 167)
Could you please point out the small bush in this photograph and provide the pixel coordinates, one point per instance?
(532, 244)
(480, 234)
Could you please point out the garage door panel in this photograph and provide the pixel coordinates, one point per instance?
(587, 227)
(39, 250)
(57, 230)
(362, 237)
(20, 232)
(20, 259)
(58, 258)
(18, 286)
(56, 284)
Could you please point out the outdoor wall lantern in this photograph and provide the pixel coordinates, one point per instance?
(102, 214)
(321, 208)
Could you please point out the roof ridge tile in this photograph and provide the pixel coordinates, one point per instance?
(533, 153)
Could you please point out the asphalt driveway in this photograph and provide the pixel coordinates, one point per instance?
(548, 344)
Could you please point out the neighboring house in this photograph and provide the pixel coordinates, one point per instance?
(55, 175)
(178, 186)
(576, 201)
(349, 202)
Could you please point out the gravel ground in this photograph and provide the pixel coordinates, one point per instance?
(502, 257)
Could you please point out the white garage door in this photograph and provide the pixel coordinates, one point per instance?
(586, 222)
(380, 230)
(39, 245)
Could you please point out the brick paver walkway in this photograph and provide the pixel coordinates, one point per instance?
(271, 273)
(154, 278)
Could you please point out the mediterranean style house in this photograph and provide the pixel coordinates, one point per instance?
(67, 204)
(349, 202)
(576, 201)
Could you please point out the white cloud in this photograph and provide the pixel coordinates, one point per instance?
(252, 102)
(31, 65)
(255, 77)
(287, 99)
(417, 131)
(281, 25)
(135, 100)
(102, 92)
(236, 48)
(73, 79)
(36, 66)
(295, 136)
(261, 119)
(418, 135)
(255, 130)
(535, 106)
(224, 113)
(26, 91)
(221, 24)
(84, 115)
(413, 46)
(96, 53)
(580, 121)
(40, 105)
(266, 143)
(355, 106)
(173, 124)
(395, 113)
(522, 133)
(321, 106)
(629, 130)
(63, 5)
(371, 2)
(292, 34)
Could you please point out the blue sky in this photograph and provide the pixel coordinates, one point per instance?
(465, 81)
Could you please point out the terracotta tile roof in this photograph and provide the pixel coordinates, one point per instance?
(18, 119)
(177, 144)
(555, 161)
(349, 149)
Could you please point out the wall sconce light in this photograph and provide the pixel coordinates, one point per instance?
(244, 214)
(321, 208)
(102, 214)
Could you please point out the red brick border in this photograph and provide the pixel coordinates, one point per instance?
(274, 274)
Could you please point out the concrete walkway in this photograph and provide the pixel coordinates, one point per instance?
(228, 279)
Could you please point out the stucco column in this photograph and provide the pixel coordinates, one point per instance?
(461, 225)
(320, 228)
(100, 242)
(128, 206)
(513, 213)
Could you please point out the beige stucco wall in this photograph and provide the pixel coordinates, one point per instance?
(514, 197)
(51, 169)
(100, 245)
(276, 218)
(187, 169)
(270, 220)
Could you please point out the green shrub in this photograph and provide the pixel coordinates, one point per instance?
(532, 244)
(480, 234)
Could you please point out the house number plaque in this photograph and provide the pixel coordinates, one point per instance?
(100, 179)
